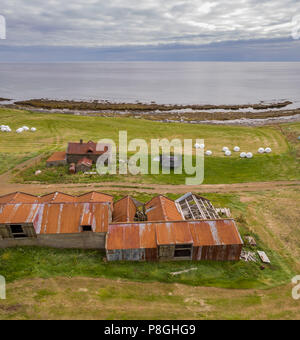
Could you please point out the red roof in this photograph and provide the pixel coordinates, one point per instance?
(57, 156)
(85, 148)
(85, 161)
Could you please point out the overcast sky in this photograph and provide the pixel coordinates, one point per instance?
(122, 26)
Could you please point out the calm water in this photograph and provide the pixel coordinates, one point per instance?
(163, 82)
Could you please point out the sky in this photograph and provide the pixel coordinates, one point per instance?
(171, 30)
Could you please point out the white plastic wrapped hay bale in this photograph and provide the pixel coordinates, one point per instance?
(25, 128)
(249, 155)
(228, 153)
(225, 148)
(33, 129)
(261, 150)
(199, 146)
(243, 155)
(20, 130)
(236, 149)
(208, 153)
(268, 150)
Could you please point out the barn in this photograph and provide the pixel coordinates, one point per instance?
(55, 220)
(160, 230)
(216, 240)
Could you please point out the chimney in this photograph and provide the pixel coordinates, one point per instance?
(81, 141)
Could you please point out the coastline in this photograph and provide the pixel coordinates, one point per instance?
(247, 114)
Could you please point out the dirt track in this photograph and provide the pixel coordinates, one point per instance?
(6, 185)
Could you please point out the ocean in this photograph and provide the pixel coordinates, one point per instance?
(163, 82)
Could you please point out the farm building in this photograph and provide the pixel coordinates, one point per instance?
(160, 230)
(57, 159)
(79, 156)
(84, 164)
(90, 150)
(194, 240)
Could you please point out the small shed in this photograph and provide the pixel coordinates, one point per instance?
(57, 159)
(84, 164)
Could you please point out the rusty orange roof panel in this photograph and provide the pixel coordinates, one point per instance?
(124, 210)
(66, 218)
(57, 156)
(18, 197)
(18, 213)
(165, 234)
(147, 232)
(152, 234)
(215, 232)
(161, 208)
(131, 236)
(57, 218)
(57, 197)
(95, 197)
(182, 233)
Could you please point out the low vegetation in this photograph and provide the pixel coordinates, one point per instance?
(105, 105)
(54, 132)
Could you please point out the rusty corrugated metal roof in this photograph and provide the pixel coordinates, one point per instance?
(131, 236)
(96, 197)
(161, 208)
(18, 197)
(173, 233)
(18, 213)
(55, 218)
(85, 148)
(57, 197)
(124, 210)
(215, 232)
(67, 217)
(57, 156)
(152, 234)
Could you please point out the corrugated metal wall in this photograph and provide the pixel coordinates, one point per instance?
(132, 254)
(217, 253)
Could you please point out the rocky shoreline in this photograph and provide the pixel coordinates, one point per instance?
(251, 114)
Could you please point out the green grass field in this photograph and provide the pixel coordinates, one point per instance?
(55, 130)
(44, 283)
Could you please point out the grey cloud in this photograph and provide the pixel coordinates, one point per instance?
(100, 23)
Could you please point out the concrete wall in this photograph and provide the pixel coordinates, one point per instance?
(85, 240)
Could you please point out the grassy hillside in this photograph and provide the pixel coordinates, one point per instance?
(54, 131)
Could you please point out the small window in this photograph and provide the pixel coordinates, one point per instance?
(17, 231)
(86, 228)
(183, 250)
